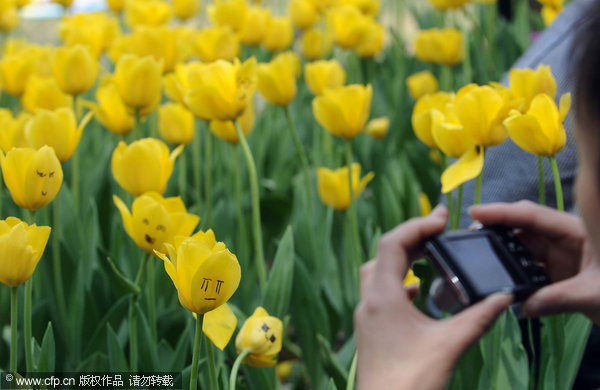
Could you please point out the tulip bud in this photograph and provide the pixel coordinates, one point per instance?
(175, 124)
(317, 44)
(155, 221)
(277, 79)
(303, 13)
(378, 127)
(262, 335)
(21, 248)
(205, 273)
(9, 17)
(185, 9)
(372, 41)
(349, 26)
(144, 165)
(421, 83)
(15, 70)
(226, 129)
(217, 43)
(33, 177)
(279, 34)
(44, 93)
(422, 121)
(138, 81)
(344, 111)
(440, 46)
(147, 12)
(12, 130)
(527, 83)
(230, 13)
(321, 75)
(253, 29)
(333, 185)
(111, 111)
(74, 68)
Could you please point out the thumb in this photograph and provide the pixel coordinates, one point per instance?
(570, 295)
(472, 323)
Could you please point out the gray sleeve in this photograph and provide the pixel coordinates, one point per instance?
(510, 174)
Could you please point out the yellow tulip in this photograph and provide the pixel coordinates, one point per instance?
(549, 14)
(57, 129)
(22, 3)
(349, 25)
(9, 17)
(226, 129)
(33, 177)
(175, 124)
(64, 3)
(96, 31)
(155, 221)
(424, 204)
(481, 111)
(111, 111)
(411, 279)
(421, 83)
(284, 370)
(230, 13)
(217, 43)
(279, 34)
(204, 272)
(450, 137)
(317, 44)
(422, 120)
(147, 12)
(304, 13)
(219, 325)
(12, 130)
(185, 9)
(367, 7)
(138, 81)
(44, 93)
(447, 4)
(344, 111)
(262, 335)
(467, 167)
(277, 79)
(541, 130)
(333, 185)
(21, 248)
(527, 83)
(222, 90)
(145, 165)
(378, 127)
(325, 5)
(15, 70)
(372, 41)
(179, 82)
(322, 74)
(116, 5)
(254, 27)
(74, 68)
(440, 46)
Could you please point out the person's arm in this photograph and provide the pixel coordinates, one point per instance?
(560, 241)
(398, 346)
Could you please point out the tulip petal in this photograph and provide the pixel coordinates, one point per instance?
(525, 131)
(16, 257)
(331, 191)
(215, 281)
(14, 170)
(219, 325)
(330, 115)
(564, 106)
(125, 215)
(43, 178)
(466, 168)
(37, 237)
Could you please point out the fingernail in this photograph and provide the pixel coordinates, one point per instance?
(438, 209)
(501, 298)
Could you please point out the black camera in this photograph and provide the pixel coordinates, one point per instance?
(478, 263)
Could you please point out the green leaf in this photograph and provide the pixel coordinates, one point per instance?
(116, 359)
(46, 361)
(332, 365)
(125, 284)
(331, 385)
(281, 276)
(576, 332)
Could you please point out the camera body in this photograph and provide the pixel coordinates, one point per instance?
(475, 264)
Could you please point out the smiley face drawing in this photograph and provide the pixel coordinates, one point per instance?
(33, 177)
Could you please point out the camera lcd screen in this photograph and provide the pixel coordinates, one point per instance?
(479, 262)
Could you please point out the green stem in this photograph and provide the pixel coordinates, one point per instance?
(196, 355)
(212, 369)
(207, 175)
(256, 226)
(27, 326)
(541, 181)
(152, 299)
(75, 162)
(243, 234)
(560, 204)
(445, 78)
(13, 329)
(56, 261)
(133, 317)
(182, 177)
(137, 126)
(236, 368)
(196, 165)
(302, 155)
(352, 373)
(353, 218)
(491, 13)
(458, 208)
(478, 188)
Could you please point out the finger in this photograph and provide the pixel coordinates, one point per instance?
(470, 324)
(577, 294)
(366, 274)
(412, 291)
(530, 216)
(399, 246)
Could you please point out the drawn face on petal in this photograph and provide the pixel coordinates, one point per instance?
(43, 178)
(151, 224)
